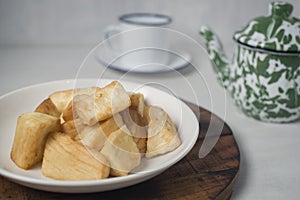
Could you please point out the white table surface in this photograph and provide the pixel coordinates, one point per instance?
(269, 152)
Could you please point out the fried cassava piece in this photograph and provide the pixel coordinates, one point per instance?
(162, 133)
(30, 136)
(67, 159)
(106, 102)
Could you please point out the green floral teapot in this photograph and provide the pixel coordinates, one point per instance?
(264, 77)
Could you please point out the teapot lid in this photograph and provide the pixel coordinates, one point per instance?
(277, 32)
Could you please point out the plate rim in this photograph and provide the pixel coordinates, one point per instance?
(84, 183)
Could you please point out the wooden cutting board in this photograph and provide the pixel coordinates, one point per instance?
(211, 177)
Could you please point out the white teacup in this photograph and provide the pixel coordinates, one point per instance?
(139, 40)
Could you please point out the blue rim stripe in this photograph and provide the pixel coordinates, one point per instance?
(124, 18)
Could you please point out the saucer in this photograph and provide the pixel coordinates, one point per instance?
(175, 62)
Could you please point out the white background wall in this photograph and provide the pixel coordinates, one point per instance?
(80, 22)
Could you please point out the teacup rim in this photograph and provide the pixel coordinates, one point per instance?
(123, 19)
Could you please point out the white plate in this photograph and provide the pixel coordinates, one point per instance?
(175, 62)
(26, 99)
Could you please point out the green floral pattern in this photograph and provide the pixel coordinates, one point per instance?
(265, 86)
(278, 31)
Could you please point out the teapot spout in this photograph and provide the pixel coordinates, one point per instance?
(217, 55)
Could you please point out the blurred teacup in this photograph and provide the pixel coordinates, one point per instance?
(139, 40)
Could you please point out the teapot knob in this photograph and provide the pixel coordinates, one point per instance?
(280, 9)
